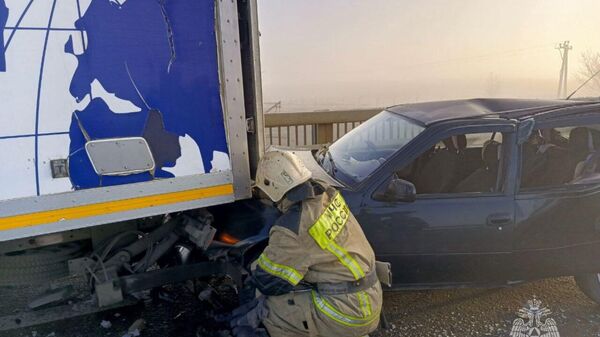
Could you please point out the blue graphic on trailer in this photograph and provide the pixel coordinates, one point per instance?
(161, 56)
(73, 71)
(3, 18)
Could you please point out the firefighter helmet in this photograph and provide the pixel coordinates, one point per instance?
(280, 171)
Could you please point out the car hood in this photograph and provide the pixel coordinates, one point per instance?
(311, 164)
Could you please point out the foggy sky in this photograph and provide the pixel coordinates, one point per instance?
(350, 53)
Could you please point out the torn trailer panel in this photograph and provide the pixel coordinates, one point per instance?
(128, 120)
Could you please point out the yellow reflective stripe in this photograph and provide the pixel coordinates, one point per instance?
(326, 229)
(287, 273)
(365, 303)
(346, 260)
(362, 304)
(111, 207)
(331, 222)
(331, 312)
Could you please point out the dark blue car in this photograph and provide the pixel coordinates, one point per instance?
(475, 192)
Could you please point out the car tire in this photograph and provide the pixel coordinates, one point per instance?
(589, 285)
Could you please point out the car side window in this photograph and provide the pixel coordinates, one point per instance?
(465, 163)
(554, 157)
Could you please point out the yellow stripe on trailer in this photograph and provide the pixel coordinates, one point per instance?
(109, 207)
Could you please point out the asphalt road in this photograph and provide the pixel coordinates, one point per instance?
(489, 312)
(461, 312)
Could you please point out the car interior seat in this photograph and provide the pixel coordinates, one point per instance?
(484, 179)
(532, 161)
(410, 171)
(440, 173)
(581, 145)
(544, 162)
(582, 152)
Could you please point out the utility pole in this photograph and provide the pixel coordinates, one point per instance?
(563, 48)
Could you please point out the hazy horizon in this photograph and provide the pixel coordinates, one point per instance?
(352, 53)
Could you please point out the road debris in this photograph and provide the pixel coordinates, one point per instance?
(446, 313)
(136, 328)
(106, 324)
(134, 333)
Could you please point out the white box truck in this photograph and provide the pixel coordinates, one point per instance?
(114, 113)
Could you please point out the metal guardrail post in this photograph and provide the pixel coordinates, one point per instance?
(324, 133)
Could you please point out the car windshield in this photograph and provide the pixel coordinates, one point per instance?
(361, 151)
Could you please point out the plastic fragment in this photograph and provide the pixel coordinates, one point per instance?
(136, 327)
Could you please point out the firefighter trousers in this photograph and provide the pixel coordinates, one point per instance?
(295, 315)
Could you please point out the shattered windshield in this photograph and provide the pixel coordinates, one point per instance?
(361, 151)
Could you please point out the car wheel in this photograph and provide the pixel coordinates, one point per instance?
(590, 285)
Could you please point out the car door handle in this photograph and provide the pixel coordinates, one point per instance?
(499, 220)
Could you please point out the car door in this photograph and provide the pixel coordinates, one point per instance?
(558, 219)
(445, 238)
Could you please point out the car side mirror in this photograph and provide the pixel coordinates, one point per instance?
(396, 190)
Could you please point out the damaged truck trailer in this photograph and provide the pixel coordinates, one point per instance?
(123, 123)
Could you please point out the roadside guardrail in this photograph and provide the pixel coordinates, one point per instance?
(308, 129)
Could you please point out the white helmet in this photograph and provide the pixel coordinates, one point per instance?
(280, 171)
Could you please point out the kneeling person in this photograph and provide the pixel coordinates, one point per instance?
(318, 271)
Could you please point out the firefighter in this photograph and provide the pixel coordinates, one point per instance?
(317, 276)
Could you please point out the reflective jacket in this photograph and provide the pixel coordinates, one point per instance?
(318, 240)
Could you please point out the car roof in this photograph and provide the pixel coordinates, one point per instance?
(432, 112)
